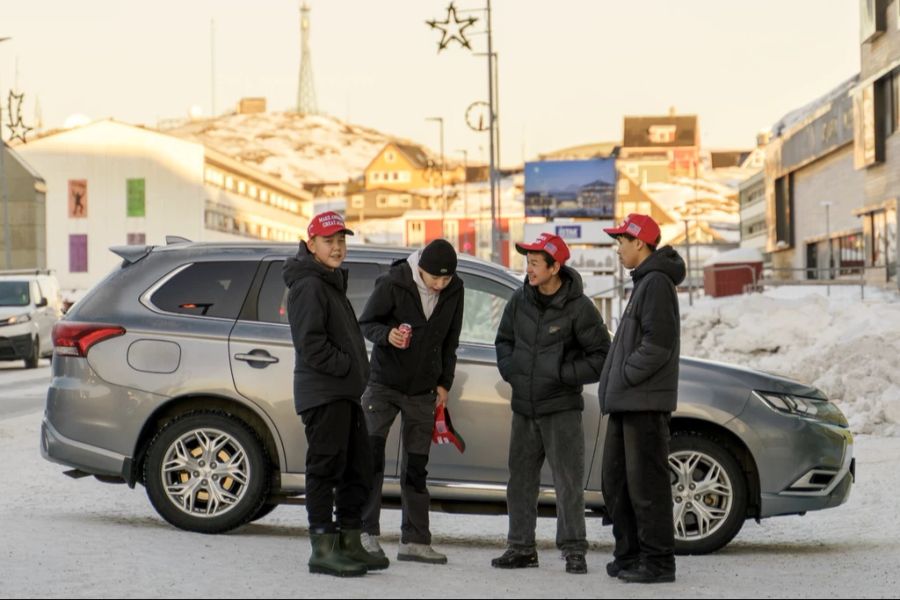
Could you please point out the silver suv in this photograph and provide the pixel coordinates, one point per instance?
(176, 372)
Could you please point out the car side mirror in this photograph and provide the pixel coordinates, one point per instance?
(41, 303)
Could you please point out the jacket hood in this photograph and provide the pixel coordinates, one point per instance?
(304, 265)
(665, 260)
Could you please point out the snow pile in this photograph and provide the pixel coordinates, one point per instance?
(847, 347)
(298, 149)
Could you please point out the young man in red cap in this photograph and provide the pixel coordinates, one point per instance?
(330, 373)
(410, 376)
(639, 392)
(551, 341)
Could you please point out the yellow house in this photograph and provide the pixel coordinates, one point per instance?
(400, 166)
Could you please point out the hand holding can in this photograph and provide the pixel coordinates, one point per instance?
(406, 330)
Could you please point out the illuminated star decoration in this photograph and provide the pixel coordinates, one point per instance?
(453, 29)
(17, 128)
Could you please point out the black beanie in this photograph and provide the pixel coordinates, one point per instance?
(438, 259)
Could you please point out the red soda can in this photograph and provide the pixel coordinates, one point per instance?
(406, 330)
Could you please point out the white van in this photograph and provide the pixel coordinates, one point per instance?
(30, 306)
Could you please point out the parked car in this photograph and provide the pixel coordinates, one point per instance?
(175, 372)
(29, 308)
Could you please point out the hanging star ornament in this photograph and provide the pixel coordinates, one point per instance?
(453, 29)
(17, 128)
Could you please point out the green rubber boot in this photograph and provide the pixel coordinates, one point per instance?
(351, 547)
(327, 558)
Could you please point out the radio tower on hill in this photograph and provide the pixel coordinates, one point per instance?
(306, 91)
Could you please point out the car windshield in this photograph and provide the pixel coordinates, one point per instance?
(14, 293)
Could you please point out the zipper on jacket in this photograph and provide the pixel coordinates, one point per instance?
(534, 351)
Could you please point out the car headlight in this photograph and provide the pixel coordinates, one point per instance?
(15, 320)
(812, 408)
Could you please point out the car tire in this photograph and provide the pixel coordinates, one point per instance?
(207, 472)
(31, 361)
(708, 515)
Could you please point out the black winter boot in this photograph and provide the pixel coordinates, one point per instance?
(352, 548)
(328, 559)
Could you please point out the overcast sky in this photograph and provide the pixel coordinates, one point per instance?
(569, 69)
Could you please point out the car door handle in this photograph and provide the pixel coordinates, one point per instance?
(257, 356)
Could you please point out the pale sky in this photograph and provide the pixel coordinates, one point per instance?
(569, 69)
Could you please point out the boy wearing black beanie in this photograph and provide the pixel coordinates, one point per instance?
(410, 375)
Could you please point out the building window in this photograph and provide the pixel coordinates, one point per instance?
(416, 233)
(358, 201)
(390, 157)
(662, 134)
(135, 189)
(78, 259)
(784, 211)
(137, 239)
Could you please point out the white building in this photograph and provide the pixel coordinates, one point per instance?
(110, 184)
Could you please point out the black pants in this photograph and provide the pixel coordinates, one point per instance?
(381, 405)
(637, 489)
(338, 465)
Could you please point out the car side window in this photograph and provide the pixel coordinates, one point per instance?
(207, 289)
(483, 309)
(272, 303)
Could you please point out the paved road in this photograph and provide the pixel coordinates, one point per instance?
(22, 390)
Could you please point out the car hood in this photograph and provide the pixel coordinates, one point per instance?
(755, 379)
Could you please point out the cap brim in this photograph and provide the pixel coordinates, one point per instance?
(615, 231)
(526, 248)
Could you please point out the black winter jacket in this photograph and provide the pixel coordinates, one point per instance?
(641, 372)
(331, 362)
(548, 355)
(430, 360)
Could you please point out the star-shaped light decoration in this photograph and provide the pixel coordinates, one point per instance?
(453, 29)
(17, 128)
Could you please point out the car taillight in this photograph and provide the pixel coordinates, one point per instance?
(75, 339)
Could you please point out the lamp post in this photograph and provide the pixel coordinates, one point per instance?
(440, 121)
(465, 154)
(7, 242)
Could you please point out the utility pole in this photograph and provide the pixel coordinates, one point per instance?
(440, 121)
(495, 232)
(7, 242)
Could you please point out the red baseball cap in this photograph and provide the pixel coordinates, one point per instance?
(549, 243)
(642, 227)
(326, 224)
(444, 432)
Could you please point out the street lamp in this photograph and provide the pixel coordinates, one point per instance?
(440, 121)
(465, 154)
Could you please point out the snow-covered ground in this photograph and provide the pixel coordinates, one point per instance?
(65, 538)
(848, 347)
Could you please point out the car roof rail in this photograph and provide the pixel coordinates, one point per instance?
(25, 272)
(131, 254)
(177, 239)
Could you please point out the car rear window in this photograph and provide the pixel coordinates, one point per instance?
(272, 302)
(207, 289)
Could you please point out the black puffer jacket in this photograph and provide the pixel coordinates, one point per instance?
(548, 355)
(641, 373)
(331, 362)
(430, 359)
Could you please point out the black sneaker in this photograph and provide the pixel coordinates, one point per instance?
(615, 567)
(575, 563)
(513, 559)
(642, 574)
